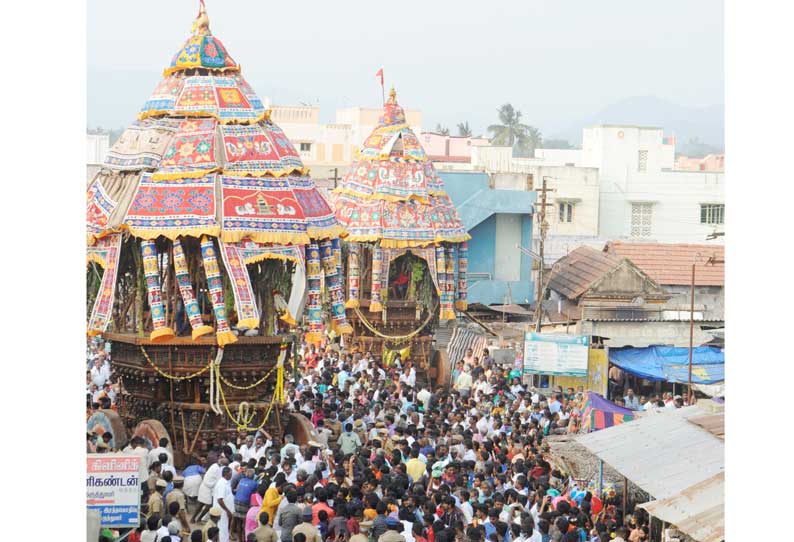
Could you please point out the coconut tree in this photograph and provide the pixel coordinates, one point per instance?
(511, 132)
(441, 130)
(463, 129)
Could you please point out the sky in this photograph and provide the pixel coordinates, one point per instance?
(557, 61)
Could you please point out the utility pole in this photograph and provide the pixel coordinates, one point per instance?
(544, 226)
(691, 333)
(336, 176)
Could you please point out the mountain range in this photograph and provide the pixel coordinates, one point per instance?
(706, 125)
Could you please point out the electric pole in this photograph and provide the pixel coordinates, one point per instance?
(691, 394)
(544, 226)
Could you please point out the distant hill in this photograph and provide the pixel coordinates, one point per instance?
(704, 124)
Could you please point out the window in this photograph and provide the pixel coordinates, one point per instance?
(566, 211)
(306, 147)
(642, 162)
(712, 213)
(641, 217)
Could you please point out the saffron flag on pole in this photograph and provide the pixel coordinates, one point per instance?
(379, 76)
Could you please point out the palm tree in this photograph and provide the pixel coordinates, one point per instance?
(524, 139)
(441, 130)
(463, 129)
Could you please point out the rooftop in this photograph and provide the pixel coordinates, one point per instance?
(684, 453)
(671, 264)
(575, 273)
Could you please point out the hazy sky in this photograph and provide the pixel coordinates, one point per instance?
(555, 60)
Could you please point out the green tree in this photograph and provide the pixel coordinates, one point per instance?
(463, 129)
(511, 132)
(557, 144)
(441, 130)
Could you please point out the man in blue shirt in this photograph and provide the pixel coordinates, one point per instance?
(554, 405)
(242, 500)
(631, 400)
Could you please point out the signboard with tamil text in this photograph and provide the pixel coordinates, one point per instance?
(113, 487)
(555, 354)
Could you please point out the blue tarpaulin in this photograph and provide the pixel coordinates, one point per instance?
(671, 364)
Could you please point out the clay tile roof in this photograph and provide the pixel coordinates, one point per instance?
(671, 264)
(573, 274)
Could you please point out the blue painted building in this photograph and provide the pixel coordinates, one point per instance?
(497, 221)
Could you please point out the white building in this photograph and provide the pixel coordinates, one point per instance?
(642, 196)
(328, 149)
(97, 147)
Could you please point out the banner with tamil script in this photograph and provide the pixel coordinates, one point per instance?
(113, 486)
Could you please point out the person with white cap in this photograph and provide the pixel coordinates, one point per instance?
(215, 517)
(155, 504)
(177, 495)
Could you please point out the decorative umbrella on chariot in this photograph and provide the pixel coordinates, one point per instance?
(405, 244)
(206, 222)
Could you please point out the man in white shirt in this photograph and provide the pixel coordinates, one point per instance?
(406, 377)
(247, 448)
(483, 385)
(223, 498)
(154, 454)
(100, 372)
(650, 404)
(424, 397)
(291, 446)
(260, 447)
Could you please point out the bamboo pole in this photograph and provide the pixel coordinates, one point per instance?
(184, 431)
(198, 432)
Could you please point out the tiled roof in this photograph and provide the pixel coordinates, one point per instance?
(671, 264)
(572, 275)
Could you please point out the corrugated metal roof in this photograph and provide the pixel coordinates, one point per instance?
(663, 453)
(698, 511)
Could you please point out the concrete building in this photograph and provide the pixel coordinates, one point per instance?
(97, 147)
(711, 162)
(641, 196)
(499, 219)
(328, 149)
(596, 293)
(446, 148)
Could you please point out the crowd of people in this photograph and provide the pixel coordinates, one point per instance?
(389, 460)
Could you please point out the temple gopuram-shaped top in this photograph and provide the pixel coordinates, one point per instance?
(205, 165)
(391, 194)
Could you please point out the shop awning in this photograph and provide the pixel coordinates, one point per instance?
(671, 364)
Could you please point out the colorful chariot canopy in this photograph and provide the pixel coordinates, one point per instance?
(391, 193)
(202, 50)
(204, 158)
